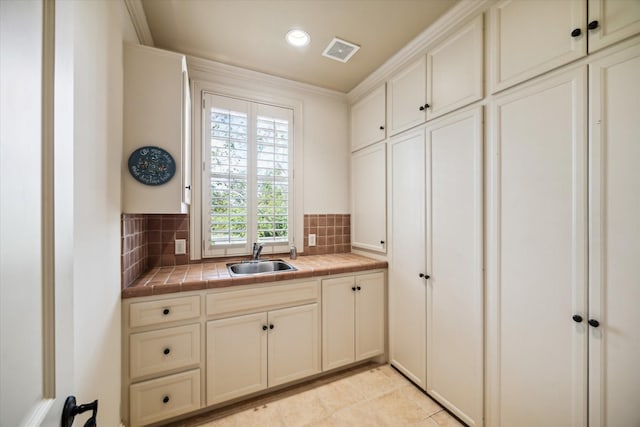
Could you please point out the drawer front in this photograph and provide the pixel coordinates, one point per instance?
(166, 397)
(262, 299)
(163, 311)
(161, 351)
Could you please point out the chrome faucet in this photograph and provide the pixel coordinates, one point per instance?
(257, 248)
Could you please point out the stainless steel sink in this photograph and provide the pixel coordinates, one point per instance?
(259, 267)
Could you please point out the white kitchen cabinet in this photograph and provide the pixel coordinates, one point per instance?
(368, 115)
(407, 98)
(252, 352)
(407, 255)
(368, 198)
(156, 113)
(614, 241)
(455, 70)
(353, 319)
(610, 21)
(528, 38)
(454, 249)
(537, 254)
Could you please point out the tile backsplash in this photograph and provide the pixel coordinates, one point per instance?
(333, 233)
(149, 241)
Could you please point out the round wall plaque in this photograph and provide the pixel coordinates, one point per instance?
(151, 165)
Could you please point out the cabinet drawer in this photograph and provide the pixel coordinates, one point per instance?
(164, 350)
(262, 299)
(166, 397)
(164, 311)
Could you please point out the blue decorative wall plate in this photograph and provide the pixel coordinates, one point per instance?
(151, 165)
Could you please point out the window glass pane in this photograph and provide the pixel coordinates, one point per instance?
(228, 218)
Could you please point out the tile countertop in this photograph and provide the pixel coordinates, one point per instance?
(206, 275)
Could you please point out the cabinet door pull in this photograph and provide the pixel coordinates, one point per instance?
(166, 312)
(594, 323)
(264, 327)
(271, 326)
(358, 288)
(593, 25)
(188, 187)
(382, 242)
(424, 276)
(381, 127)
(426, 106)
(165, 399)
(353, 288)
(421, 108)
(577, 318)
(166, 351)
(576, 32)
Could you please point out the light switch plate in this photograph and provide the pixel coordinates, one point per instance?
(181, 246)
(312, 239)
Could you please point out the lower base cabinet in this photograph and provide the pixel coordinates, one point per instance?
(353, 319)
(249, 353)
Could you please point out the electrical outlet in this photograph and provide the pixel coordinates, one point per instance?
(312, 239)
(181, 246)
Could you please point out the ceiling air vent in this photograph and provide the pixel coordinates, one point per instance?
(340, 50)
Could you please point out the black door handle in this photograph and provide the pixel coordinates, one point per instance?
(577, 318)
(594, 323)
(593, 25)
(576, 32)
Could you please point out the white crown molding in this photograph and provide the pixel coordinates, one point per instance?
(139, 20)
(418, 46)
(203, 67)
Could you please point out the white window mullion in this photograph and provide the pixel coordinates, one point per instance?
(252, 175)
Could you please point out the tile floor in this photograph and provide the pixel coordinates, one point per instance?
(373, 395)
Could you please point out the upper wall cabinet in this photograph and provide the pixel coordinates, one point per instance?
(454, 70)
(368, 119)
(521, 49)
(407, 96)
(157, 114)
(611, 21)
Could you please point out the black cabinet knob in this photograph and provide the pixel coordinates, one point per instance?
(381, 127)
(421, 108)
(577, 318)
(166, 351)
(353, 288)
(165, 399)
(594, 323)
(358, 288)
(166, 311)
(426, 106)
(271, 326)
(424, 276)
(576, 32)
(593, 25)
(188, 187)
(382, 242)
(264, 327)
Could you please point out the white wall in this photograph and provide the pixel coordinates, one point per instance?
(99, 28)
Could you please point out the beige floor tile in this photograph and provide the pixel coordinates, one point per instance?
(339, 394)
(265, 415)
(302, 409)
(357, 415)
(429, 405)
(376, 382)
(444, 419)
(429, 422)
(395, 409)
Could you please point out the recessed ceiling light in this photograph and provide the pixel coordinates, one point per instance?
(297, 38)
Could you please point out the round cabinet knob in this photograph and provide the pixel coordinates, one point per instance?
(381, 127)
(264, 327)
(271, 326)
(421, 108)
(353, 288)
(426, 106)
(358, 288)
(166, 311)
(424, 276)
(576, 32)
(188, 187)
(594, 323)
(577, 318)
(382, 242)
(165, 399)
(593, 25)
(166, 351)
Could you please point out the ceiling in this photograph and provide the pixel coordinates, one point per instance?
(250, 33)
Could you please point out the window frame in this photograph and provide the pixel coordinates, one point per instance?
(198, 239)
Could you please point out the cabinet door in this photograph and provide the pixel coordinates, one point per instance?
(454, 70)
(537, 255)
(186, 138)
(528, 38)
(406, 92)
(407, 291)
(338, 318)
(369, 315)
(614, 230)
(294, 343)
(368, 119)
(455, 296)
(368, 198)
(236, 357)
(616, 20)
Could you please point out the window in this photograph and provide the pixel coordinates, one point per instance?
(247, 176)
